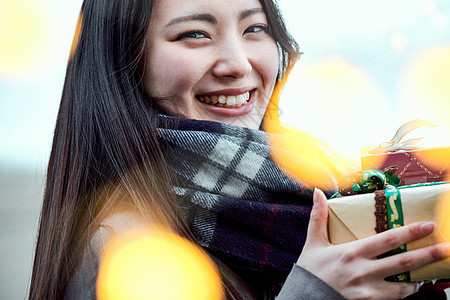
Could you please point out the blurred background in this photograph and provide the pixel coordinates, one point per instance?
(367, 68)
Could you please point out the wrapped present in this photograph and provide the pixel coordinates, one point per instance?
(362, 215)
(414, 165)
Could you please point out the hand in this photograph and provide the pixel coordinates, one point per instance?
(353, 269)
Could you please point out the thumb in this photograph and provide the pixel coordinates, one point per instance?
(318, 222)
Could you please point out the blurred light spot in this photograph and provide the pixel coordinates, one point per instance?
(305, 157)
(425, 89)
(437, 159)
(399, 43)
(372, 161)
(157, 266)
(24, 33)
(338, 103)
(439, 20)
(338, 73)
(429, 74)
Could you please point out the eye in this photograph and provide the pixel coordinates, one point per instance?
(194, 34)
(260, 28)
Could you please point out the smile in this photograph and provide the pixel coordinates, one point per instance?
(226, 101)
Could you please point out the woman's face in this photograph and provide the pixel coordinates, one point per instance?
(211, 60)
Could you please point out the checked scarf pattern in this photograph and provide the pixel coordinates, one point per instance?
(239, 204)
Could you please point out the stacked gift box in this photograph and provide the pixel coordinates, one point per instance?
(420, 186)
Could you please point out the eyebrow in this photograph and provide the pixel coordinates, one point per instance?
(249, 12)
(195, 17)
(210, 19)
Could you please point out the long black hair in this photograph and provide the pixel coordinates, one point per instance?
(105, 137)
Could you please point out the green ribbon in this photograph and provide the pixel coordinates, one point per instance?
(394, 209)
(366, 181)
(395, 219)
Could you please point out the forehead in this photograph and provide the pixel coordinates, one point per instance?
(164, 10)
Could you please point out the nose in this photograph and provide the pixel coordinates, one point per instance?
(233, 60)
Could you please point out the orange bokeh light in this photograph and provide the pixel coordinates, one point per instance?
(437, 159)
(306, 158)
(157, 265)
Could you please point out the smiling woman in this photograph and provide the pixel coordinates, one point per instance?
(211, 62)
(157, 133)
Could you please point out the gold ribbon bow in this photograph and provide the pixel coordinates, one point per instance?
(396, 144)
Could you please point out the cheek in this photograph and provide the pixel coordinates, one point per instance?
(268, 62)
(170, 73)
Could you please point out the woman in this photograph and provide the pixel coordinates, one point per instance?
(126, 150)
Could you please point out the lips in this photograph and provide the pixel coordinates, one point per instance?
(226, 100)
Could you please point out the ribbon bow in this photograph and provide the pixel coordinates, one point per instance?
(367, 181)
(395, 143)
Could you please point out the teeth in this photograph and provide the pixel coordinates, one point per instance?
(240, 100)
(231, 101)
(227, 101)
(222, 99)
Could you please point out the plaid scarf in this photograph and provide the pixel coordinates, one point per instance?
(239, 204)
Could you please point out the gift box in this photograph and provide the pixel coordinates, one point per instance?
(414, 166)
(360, 216)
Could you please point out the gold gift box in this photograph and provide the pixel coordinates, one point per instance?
(352, 218)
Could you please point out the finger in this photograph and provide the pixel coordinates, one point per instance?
(378, 244)
(397, 290)
(412, 260)
(318, 222)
